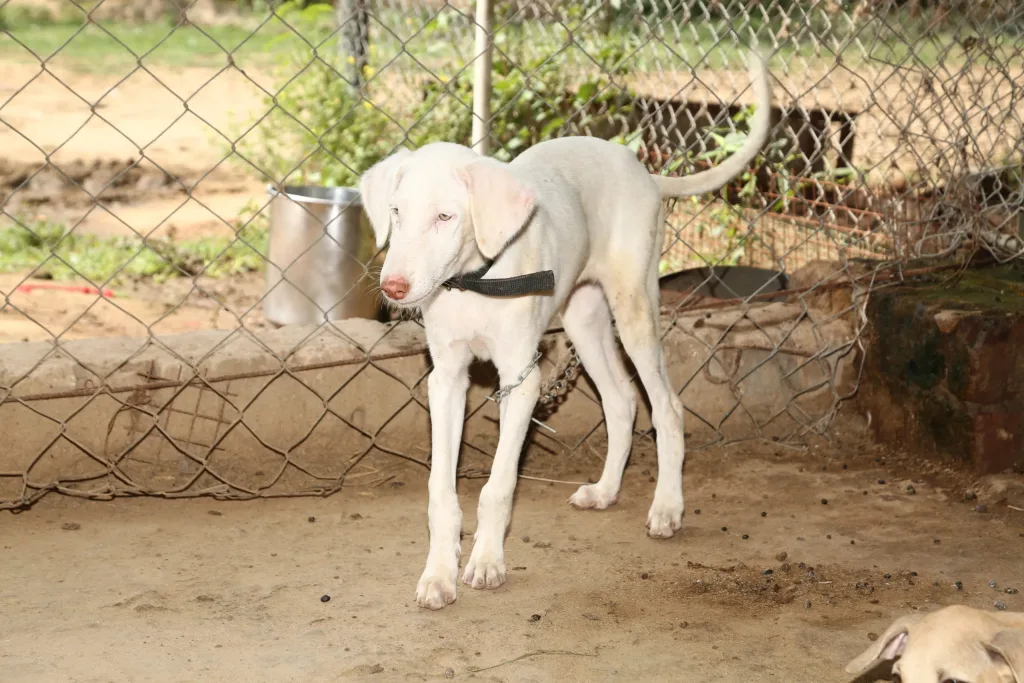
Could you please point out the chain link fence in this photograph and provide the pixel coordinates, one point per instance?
(138, 140)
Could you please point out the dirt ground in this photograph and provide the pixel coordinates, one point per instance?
(765, 582)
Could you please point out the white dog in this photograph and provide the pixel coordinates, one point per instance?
(583, 208)
(955, 644)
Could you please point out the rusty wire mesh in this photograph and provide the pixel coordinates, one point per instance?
(896, 146)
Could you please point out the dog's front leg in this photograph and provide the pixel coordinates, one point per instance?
(446, 393)
(486, 566)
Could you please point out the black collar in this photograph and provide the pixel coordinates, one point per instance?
(533, 283)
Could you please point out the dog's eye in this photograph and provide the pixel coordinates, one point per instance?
(444, 217)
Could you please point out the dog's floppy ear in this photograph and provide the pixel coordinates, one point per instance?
(499, 204)
(890, 646)
(1009, 646)
(375, 188)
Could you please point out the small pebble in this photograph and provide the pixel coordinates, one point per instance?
(697, 511)
(325, 598)
(911, 490)
(785, 567)
(992, 584)
(824, 501)
(913, 573)
(764, 514)
(355, 515)
(936, 541)
(959, 585)
(999, 605)
(725, 528)
(526, 539)
(70, 526)
(828, 536)
(685, 624)
(449, 673)
(807, 604)
(311, 519)
(872, 637)
(215, 513)
(534, 617)
(887, 576)
(745, 537)
(767, 572)
(844, 466)
(881, 481)
(781, 557)
(853, 542)
(970, 495)
(645, 575)
(981, 508)
(1010, 591)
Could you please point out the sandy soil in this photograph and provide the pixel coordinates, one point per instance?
(156, 590)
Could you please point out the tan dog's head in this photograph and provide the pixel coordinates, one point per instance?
(952, 645)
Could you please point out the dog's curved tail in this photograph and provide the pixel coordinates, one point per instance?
(714, 178)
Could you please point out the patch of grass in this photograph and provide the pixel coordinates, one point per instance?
(257, 39)
(52, 252)
(109, 45)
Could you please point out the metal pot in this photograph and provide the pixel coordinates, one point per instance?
(320, 245)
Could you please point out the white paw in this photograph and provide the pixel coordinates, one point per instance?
(484, 570)
(592, 496)
(436, 588)
(665, 519)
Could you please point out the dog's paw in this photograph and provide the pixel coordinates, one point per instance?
(592, 497)
(665, 519)
(484, 571)
(436, 589)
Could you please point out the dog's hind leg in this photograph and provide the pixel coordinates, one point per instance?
(588, 322)
(635, 301)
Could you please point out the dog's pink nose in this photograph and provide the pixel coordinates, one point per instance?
(395, 287)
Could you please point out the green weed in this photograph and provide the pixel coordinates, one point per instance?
(47, 249)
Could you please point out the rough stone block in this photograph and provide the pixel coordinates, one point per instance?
(945, 370)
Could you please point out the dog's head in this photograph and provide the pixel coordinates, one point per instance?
(444, 208)
(952, 645)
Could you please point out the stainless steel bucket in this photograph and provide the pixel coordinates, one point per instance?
(320, 240)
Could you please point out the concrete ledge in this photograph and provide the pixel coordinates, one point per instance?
(228, 414)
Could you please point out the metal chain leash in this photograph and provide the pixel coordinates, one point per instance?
(504, 391)
(553, 390)
(560, 382)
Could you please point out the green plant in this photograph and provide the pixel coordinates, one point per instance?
(530, 102)
(48, 249)
(322, 130)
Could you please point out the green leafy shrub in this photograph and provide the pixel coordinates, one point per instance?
(321, 130)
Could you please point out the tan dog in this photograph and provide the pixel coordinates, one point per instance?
(955, 644)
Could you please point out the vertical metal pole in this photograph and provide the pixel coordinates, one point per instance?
(352, 19)
(482, 77)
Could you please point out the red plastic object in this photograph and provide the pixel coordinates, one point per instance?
(81, 289)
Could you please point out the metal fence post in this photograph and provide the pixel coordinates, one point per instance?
(482, 77)
(352, 20)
